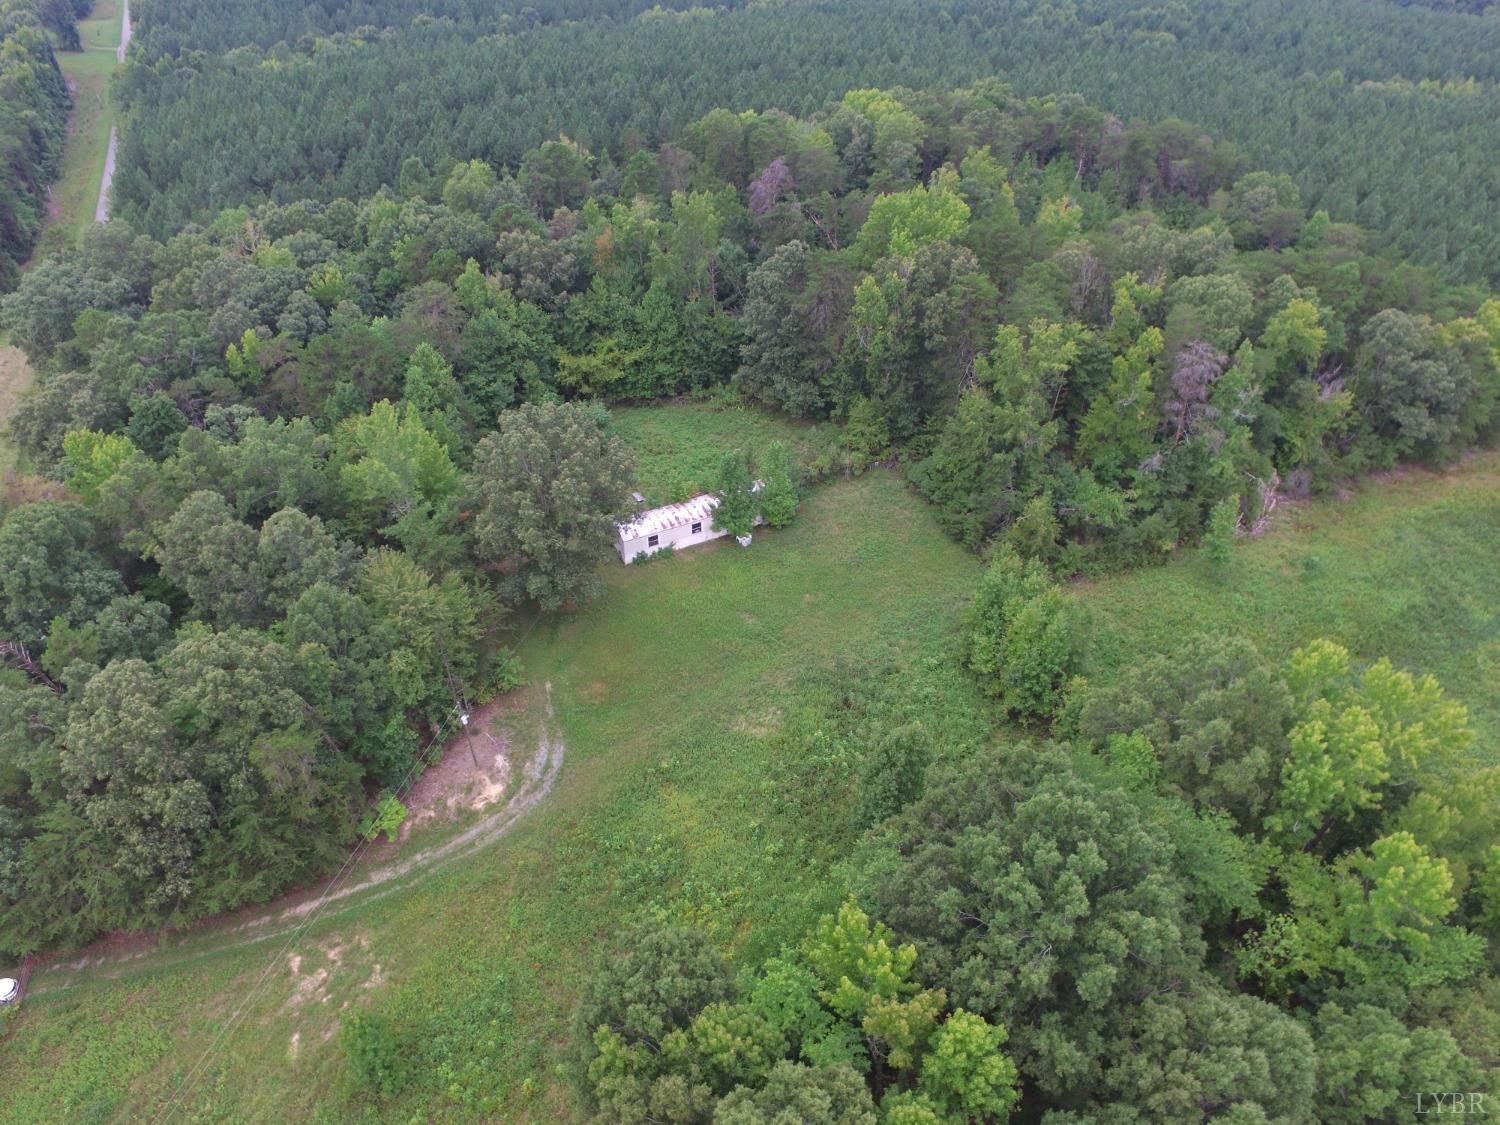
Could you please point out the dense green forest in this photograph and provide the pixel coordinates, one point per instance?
(34, 104)
(1371, 107)
(327, 411)
(171, 27)
(277, 433)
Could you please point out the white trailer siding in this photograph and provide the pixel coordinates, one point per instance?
(676, 526)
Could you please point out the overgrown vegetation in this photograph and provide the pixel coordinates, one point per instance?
(679, 450)
(729, 811)
(853, 826)
(34, 104)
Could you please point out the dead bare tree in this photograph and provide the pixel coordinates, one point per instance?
(14, 652)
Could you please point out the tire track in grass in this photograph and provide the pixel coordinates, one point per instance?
(538, 778)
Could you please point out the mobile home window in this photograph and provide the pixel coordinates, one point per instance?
(697, 529)
(652, 540)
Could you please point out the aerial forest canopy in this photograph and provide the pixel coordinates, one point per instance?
(170, 27)
(297, 446)
(347, 400)
(34, 104)
(1369, 106)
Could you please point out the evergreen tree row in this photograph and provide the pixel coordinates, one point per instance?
(34, 105)
(1370, 106)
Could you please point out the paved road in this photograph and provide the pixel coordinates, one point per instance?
(124, 35)
(101, 211)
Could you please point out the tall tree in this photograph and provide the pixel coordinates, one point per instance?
(547, 491)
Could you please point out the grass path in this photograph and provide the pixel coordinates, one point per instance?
(75, 196)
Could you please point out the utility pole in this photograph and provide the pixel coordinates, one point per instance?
(463, 720)
(461, 705)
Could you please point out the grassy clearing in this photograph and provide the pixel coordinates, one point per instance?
(1406, 567)
(679, 447)
(76, 193)
(668, 692)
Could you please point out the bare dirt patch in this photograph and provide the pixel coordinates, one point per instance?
(473, 773)
(327, 960)
(381, 871)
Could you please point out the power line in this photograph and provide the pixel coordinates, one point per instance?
(198, 1069)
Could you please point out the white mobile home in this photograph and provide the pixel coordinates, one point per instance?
(676, 526)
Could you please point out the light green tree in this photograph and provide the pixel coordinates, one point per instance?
(778, 497)
(90, 458)
(903, 222)
(387, 815)
(965, 1074)
(738, 506)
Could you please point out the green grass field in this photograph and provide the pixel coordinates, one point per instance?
(1407, 567)
(76, 192)
(669, 693)
(679, 448)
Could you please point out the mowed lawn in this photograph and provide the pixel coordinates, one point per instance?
(668, 693)
(1406, 567)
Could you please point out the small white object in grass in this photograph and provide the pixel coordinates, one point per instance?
(464, 719)
(9, 989)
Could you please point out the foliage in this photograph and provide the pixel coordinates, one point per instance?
(846, 1005)
(1214, 716)
(1076, 897)
(1212, 1054)
(664, 979)
(388, 815)
(1018, 638)
(1399, 88)
(35, 103)
(1085, 350)
(1223, 526)
(681, 823)
(738, 505)
(293, 432)
(1369, 1064)
(548, 488)
(778, 498)
(50, 568)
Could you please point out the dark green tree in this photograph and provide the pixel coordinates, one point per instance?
(547, 490)
(1041, 901)
(49, 569)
